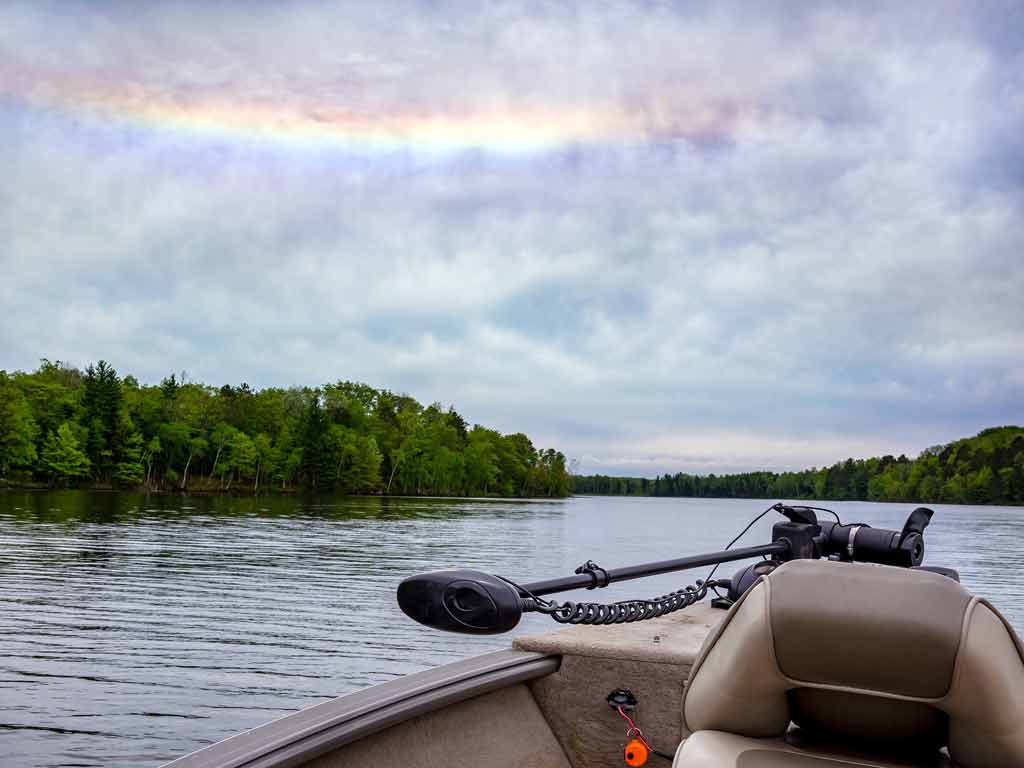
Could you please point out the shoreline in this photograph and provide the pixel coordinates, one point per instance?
(241, 493)
(301, 493)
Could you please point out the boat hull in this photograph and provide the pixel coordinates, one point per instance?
(473, 712)
(538, 705)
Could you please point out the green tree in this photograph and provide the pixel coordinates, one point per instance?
(17, 428)
(52, 394)
(345, 437)
(265, 458)
(130, 470)
(243, 455)
(197, 449)
(176, 442)
(101, 401)
(987, 468)
(481, 461)
(312, 444)
(220, 438)
(63, 458)
(366, 465)
(153, 449)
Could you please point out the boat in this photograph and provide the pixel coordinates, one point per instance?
(837, 648)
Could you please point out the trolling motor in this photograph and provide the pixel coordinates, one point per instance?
(473, 602)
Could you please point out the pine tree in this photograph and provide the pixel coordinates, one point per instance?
(102, 401)
(312, 443)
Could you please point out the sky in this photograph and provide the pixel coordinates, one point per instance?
(656, 236)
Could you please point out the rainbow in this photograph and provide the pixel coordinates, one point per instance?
(513, 130)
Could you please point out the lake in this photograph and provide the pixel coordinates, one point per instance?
(135, 629)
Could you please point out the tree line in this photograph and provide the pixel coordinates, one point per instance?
(985, 469)
(62, 426)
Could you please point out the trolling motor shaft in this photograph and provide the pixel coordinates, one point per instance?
(475, 602)
(551, 586)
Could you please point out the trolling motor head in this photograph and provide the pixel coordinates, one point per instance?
(808, 537)
(470, 602)
(903, 548)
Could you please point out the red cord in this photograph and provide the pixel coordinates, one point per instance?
(634, 730)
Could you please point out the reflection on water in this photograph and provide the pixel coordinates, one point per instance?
(134, 629)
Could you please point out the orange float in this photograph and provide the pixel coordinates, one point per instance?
(635, 753)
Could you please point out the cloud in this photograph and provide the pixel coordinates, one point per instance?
(713, 237)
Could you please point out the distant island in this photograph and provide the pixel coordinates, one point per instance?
(65, 427)
(985, 469)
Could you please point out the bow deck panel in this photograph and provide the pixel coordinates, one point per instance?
(650, 658)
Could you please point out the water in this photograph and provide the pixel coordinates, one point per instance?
(134, 629)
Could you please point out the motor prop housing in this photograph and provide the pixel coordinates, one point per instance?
(471, 602)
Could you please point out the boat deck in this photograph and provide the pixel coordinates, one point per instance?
(652, 659)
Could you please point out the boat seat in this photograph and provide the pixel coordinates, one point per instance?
(889, 662)
(715, 749)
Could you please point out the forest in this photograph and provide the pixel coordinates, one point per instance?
(985, 469)
(65, 427)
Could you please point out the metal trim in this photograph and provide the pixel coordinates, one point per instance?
(849, 541)
(297, 738)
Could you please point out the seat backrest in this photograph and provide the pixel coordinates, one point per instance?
(879, 655)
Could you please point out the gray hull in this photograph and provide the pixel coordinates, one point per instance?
(539, 705)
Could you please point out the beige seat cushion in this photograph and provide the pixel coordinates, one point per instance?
(882, 657)
(716, 749)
